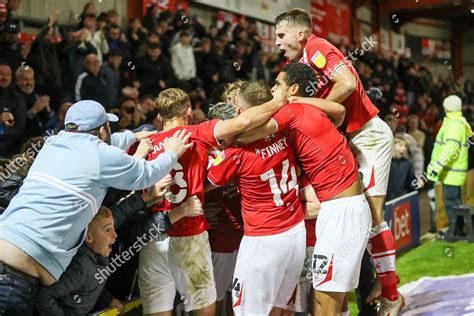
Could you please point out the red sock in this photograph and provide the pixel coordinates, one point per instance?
(382, 249)
(389, 291)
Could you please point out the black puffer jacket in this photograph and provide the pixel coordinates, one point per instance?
(10, 183)
(78, 288)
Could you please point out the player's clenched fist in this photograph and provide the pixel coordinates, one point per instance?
(193, 207)
(177, 143)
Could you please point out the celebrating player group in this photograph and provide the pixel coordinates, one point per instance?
(303, 166)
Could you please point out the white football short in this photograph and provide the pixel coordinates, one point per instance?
(224, 266)
(342, 231)
(372, 148)
(267, 271)
(186, 267)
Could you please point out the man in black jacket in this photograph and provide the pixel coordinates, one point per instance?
(44, 57)
(90, 85)
(208, 64)
(38, 110)
(112, 74)
(13, 114)
(117, 40)
(75, 51)
(154, 71)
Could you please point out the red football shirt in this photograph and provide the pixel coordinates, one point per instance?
(322, 151)
(325, 59)
(189, 174)
(265, 172)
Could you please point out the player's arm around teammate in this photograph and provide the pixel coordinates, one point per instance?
(249, 119)
(335, 111)
(268, 126)
(370, 139)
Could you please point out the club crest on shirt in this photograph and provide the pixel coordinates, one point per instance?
(219, 158)
(318, 59)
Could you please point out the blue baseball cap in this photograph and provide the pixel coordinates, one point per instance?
(87, 115)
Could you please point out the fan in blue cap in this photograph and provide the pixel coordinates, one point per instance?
(87, 115)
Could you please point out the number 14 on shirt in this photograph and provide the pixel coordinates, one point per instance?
(284, 186)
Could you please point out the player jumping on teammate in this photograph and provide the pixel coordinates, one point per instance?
(370, 139)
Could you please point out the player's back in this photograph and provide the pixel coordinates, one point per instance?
(322, 151)
(265, 172)
(189, 175)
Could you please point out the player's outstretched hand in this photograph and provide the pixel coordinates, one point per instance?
(178, 143)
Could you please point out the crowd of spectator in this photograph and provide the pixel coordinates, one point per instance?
(116, 65)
